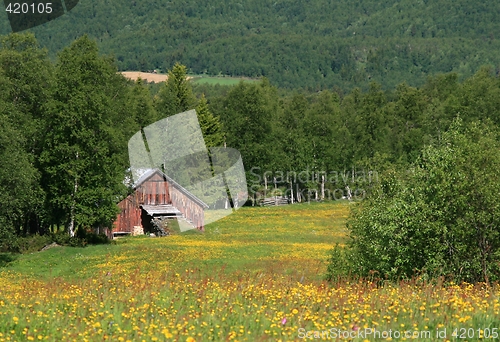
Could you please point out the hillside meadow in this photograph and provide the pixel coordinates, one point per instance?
(256, 275)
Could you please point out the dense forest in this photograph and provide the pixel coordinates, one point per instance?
(66, 124)
(295, 44)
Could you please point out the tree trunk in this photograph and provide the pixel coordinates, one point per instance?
(291, 192)
(349, 194)
(71, 226)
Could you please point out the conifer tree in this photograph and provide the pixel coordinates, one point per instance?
(209, 124)
(177, 95)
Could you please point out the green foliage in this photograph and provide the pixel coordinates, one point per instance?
(209, 124)
(64, 130)
(27, 244)
(6, 258)
(34, 243)
(25, 78)
(141, 106)
(337, 267)
(307, 45)
(246, 114)
(221, 81)
(439, 219)
(82, 172)
(88, 237)
(176, 96)
(63, 239)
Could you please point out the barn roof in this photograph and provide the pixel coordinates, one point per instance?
(151, 172)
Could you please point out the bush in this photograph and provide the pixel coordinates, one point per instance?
(10, 243)
(338, 267)
(61, 238)
(28, 244)
(91, 238)
(81, 239)
(440, 219)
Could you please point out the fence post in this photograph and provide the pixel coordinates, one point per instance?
(322, 187)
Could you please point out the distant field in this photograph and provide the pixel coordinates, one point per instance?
(221, 80)
(255, 275)
(146, 76)
(198, 79)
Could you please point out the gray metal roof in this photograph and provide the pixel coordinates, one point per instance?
(162, 209)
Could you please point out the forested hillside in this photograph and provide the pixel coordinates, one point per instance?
(295, 43)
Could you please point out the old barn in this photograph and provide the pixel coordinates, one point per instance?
(157, 195)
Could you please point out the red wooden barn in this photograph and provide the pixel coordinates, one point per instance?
(155, 194)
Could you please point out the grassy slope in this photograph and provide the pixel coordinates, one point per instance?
(252, 238)
(253, 276)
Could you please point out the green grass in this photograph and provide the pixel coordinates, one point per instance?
(221, 80)
(250, 238)
(255, 275)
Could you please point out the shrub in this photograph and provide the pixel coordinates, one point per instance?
(91, 238)
(440, 219)
(19, 244)
(337, 265)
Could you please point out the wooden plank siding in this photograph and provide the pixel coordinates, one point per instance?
(157, 189)
(191, 210)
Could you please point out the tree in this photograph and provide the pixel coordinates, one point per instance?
(26, 86)
(81, 163)
(141, 105)
(176, 96)
(440, 219)
(247, 114)
(18, 177)
(291, 141)
(210, 124)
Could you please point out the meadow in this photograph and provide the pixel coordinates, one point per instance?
(256, 275)
(220, 80)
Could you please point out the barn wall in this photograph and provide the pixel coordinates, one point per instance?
(154, 191)
(129, 216)
(191, 210)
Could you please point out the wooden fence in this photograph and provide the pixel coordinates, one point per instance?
(278, 200)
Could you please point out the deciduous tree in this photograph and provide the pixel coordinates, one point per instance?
(82, 172)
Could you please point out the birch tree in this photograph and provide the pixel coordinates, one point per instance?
(80, 160)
